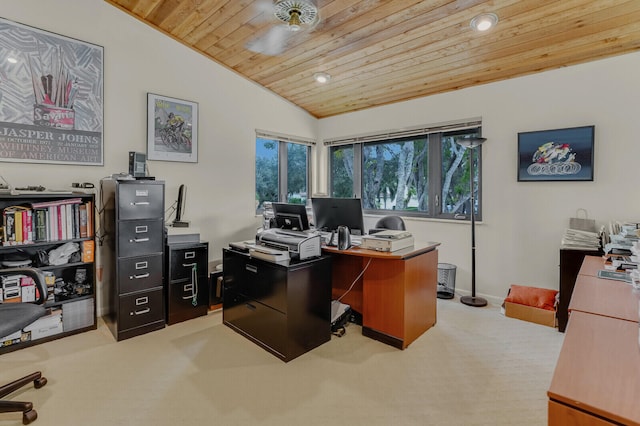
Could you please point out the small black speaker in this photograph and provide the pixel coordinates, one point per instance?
(137, 164)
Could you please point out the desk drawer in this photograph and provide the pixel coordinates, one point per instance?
(139, 273)
(138, 237)
(142, 308)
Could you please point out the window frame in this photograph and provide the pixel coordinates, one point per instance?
(283, 142)
(434, 134)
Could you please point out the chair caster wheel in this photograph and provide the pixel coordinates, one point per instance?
(29, 416)
(38, 383)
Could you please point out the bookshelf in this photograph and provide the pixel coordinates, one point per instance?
(55, 233)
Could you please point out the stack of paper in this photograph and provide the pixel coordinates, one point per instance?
(580, 240)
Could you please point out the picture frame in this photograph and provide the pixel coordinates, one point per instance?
(52, 100)
(172, 129)
(556, 155)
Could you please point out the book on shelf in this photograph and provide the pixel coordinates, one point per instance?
(55, 220)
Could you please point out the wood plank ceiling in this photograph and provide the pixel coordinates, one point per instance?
(383, 51)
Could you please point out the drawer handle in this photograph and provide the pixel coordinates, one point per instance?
(142, 265)
(142, 300)
(190, 255)
(250, 306)
(251, 268)
(140, 203)
(142, 229)
(144, 311)
(189, 288)
(139, 240)
(189, 265)
(139, 276)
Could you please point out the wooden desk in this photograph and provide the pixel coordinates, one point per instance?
(609, 298)
(396, 294)
(591, 265)
(597, 377)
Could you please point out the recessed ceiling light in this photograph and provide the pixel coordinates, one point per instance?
(484, 21)
(12, 60)
(321, 77)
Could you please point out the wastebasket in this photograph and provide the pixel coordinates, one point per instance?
(446, 280)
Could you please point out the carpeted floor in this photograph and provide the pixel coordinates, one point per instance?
(475, 367)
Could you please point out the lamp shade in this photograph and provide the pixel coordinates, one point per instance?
(470, 142)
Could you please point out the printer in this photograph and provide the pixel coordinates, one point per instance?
(300, 245)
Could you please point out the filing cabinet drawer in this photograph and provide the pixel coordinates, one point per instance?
(140, 201)
(139, 309)
(139, 273)
(138, 237)
(257, 279)
(184, 259)
(260, 322)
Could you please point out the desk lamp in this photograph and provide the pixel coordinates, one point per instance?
(473, 300)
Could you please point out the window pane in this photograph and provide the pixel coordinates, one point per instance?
(395, 175)
(266, 172)
(456, 190)
(297, 162)
(342, 171)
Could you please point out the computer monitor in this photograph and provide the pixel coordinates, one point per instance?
(290, 216)
(329, 213)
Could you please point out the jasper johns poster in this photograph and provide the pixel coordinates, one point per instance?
(51, 97)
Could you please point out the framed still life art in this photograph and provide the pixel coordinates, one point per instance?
(172, 129)
(556, 155)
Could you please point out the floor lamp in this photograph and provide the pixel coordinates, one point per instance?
(473, 300)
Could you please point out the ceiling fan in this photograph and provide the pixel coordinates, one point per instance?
(289, 17)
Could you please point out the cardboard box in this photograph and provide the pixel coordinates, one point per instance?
(530, 313)
(45, 326)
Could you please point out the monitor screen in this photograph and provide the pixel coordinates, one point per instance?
(329, 213)
(291, 216)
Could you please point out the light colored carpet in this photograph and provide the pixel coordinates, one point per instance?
(475, 367)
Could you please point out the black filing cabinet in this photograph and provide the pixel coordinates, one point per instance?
(187, 281)
(284, 309)
(134, 236)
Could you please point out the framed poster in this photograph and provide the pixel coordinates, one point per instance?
(172, 129)
(51, 97)
(556, 155)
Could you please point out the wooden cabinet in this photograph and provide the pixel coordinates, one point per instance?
(570, 262)
(55, 235)
(187, 281)
(134, 239)
(284, 309)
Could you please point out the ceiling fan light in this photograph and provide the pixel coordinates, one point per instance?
(294, 20)
(321, 77)
(484, 21)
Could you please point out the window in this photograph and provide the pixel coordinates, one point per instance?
(282, 169)
(416, 172)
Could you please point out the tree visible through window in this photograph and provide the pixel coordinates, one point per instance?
(282, 172)
(425, 175)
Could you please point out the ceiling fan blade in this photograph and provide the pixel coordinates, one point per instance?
(271, 43)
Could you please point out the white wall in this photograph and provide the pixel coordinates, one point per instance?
(523, 222)
(139, 59)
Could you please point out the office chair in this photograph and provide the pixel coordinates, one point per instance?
(14, 317)
(389, 222)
